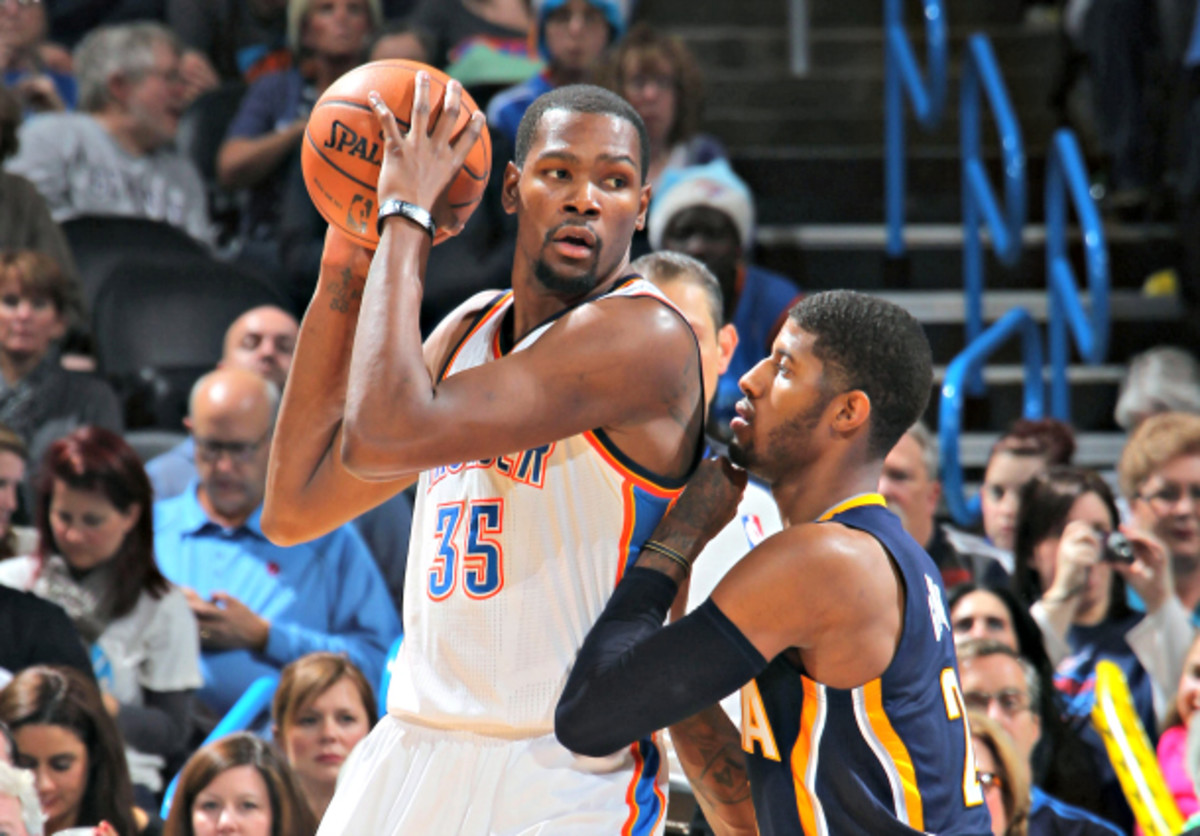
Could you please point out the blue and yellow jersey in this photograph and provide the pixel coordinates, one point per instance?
(893, 756)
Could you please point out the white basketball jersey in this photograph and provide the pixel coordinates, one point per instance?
(511, 561)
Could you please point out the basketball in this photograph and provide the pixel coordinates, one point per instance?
(343, 147)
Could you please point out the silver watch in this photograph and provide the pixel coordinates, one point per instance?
(414, 213)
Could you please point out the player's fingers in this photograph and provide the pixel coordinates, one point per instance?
(448, 118)
(419, 120)
(385, 118)
(467, 139)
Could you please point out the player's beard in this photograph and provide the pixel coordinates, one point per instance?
(569, 286)
(786, 449)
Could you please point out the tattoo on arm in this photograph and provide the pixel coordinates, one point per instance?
(347, 293)
(710, 749)
(711, 752)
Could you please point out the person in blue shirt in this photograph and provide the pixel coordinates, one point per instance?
(260, 606)
(262, 340)
(707, 212)
(571, 37)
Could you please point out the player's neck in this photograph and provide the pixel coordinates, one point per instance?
(534, 303)
(809, 493)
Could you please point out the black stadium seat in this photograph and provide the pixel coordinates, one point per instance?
(201, 131)
(97, 241)
(158, 322)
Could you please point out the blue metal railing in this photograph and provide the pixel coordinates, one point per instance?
(968, 363)
(928, 98)
(250, 705)
(982, 78)
(1066, 176)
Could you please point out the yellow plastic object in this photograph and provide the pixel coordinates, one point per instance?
(1131, 754)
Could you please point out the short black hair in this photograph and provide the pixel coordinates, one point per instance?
(580, 98)
(670, 266)
(876, 346)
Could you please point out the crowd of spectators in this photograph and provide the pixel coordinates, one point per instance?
(139, 599)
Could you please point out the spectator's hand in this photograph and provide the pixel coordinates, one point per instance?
(57, 58)
(228, 624)
(111, 705)
(418, 166)
(104, 829)
(1079, 550)
(39, 94)
(198, 74)
(1150, 572)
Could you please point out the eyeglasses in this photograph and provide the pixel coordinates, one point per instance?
(660, 81)
(172, 77)
(1010, 700)
(241, 452)
(988, 780)
(1168, 495)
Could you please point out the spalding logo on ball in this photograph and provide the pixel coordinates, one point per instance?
(343, 147)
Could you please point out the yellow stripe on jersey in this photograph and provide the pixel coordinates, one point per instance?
(853, 502)
(897, 751)
(802, 753)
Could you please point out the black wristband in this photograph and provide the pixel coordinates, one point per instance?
(404, 209)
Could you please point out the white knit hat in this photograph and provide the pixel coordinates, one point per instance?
(714, 185)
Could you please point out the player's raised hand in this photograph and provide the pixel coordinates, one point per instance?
(419, 165)
(710, 500)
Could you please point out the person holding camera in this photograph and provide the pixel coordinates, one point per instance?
(1073, 566)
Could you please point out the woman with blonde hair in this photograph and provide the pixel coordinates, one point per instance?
(1003, 776)
(322, 708)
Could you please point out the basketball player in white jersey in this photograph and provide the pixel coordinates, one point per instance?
(548, 427)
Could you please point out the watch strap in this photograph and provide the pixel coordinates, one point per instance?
(414, 213)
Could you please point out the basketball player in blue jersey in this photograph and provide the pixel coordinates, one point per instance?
(835, 629)
(547, 428)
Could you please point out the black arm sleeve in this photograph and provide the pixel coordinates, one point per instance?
(160, 727)
(633, 676)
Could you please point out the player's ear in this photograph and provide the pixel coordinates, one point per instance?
(643, 206)
(854, 408)
(508, 188)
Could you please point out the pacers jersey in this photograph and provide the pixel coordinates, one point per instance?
(890, 757)
(512, 559)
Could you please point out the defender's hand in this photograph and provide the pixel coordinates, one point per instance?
(710, 500)
(419, 165)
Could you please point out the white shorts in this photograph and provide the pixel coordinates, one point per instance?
(409, 780)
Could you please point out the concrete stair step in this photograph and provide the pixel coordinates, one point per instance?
(796, 185)
(750, 49)
(1099, 450)
(824, 256)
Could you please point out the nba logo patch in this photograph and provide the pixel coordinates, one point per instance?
(753, 528)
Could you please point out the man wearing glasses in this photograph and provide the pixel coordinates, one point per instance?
(1159, 473)
(260, 606)
(998, 682)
